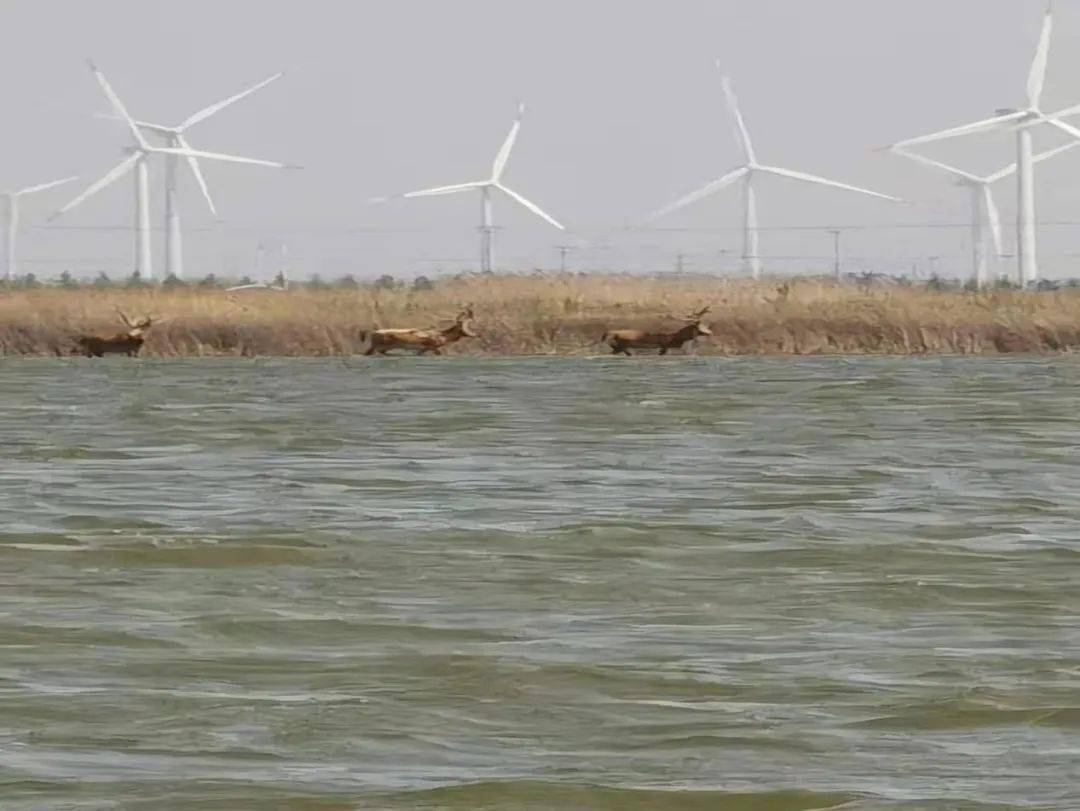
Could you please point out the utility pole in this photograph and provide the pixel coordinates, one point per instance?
(260, 262)
(933, 260)
(836, 253)
(680, 262)
(564, 251)
(282, 279)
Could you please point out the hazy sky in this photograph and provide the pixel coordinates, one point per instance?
(625, 113)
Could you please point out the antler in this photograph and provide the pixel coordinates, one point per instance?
(697, 315)
(124, 318)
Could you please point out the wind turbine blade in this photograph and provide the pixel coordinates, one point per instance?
(197, 171)
(508, 145)
(821, 181)
(448, 189)
(1001, 174)
(1061, 125)
(965, 129)
(206, 112)
(159, 128)
(694, 196)
(214, 156)
(109, 177)
(533, 207)
(118, 105)
(937, 165)
(1050, 153)
(1068, 111)
(733, 106)
(1006, 171)
(993, 216)
(43, 186)
(1037, 76)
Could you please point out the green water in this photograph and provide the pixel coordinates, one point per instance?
(677, 583)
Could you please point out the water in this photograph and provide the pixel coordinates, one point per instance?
(532, 584)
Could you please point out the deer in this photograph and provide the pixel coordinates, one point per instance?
(622, 341)
(124, 343)
(422, 340)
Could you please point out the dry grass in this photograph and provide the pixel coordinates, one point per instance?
(554, 314)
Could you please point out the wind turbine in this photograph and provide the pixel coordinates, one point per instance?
(494, 183)
(11, 220)
(174, 137)
(1021, 120)
(747, 173)
(136, 160)
(984, 210)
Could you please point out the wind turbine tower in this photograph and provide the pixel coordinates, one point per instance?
(11, 221)
(1021, 121)
(137, 160)
(174, 137)
(487, 188)
(984, 210)
(748, 173)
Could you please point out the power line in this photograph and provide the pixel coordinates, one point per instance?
(828, 228)
(376, 230)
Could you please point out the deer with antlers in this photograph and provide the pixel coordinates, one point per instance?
(422, 340)
(124, 343)
(622, 341)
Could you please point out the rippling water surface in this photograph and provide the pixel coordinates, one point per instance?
(526, 584)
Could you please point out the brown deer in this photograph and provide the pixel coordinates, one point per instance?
(622, 341)
(422, 340)
(125, 343)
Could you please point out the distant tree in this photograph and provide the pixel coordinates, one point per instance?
(102, 280)
(315, 282)
(385, 282)
(29, 281)
(135, 280)
(348, 282)
(209, 281)
(173, 281)
(245, 280)
(935, 282)
(423, 283)
(280, 280)
(67, 280)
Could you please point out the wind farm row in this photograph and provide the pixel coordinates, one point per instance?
(151, 141)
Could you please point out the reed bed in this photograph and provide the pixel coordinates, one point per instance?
(553, 314)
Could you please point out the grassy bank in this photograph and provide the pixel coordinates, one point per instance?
(553, 314)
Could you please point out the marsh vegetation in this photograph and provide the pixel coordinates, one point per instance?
(549, 314)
